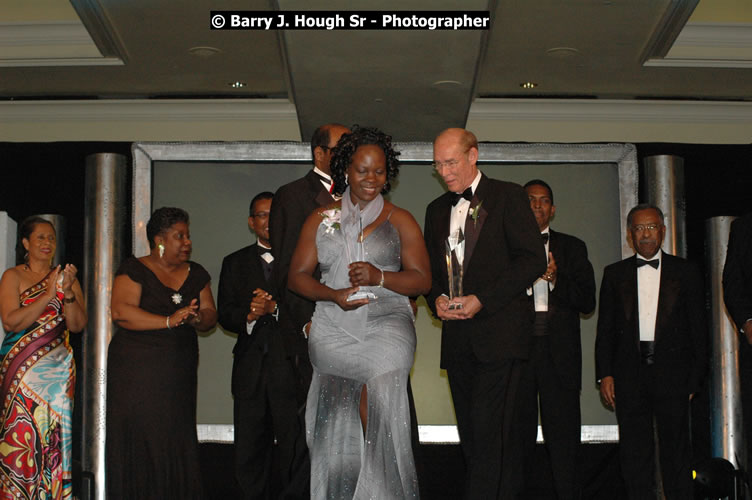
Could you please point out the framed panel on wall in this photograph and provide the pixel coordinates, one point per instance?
(595, 185)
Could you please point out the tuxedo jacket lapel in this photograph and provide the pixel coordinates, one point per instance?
(441, 219)
(473, 227)
(322, 197)
(553, 240)
(629, 294)
(254, 270)
(667, 295)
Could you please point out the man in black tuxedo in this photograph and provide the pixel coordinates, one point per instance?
(486, 332)
(737, 293)
(293, 203)
(263, 382)
(651, 356)
(558, 297)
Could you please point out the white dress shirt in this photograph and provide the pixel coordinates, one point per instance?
(459, 211)
(541, 287)
(648, 287)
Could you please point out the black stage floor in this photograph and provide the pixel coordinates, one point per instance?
(441, 470)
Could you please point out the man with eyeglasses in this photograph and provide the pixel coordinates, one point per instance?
(263, 382)
(486, 331)
(558, 297)
(651, 356)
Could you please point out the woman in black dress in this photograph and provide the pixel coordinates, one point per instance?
(158, 303)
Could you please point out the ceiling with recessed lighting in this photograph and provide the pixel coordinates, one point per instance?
(410, 83)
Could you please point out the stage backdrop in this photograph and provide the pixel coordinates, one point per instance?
(217, 196)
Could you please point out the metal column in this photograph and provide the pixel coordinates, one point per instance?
(104, 241)
(664, 187)
(726, 423)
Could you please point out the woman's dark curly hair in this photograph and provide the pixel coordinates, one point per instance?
(349, 143)
(163, 219)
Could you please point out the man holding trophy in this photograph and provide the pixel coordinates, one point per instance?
(484, 247)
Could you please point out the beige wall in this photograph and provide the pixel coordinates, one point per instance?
(508, 120)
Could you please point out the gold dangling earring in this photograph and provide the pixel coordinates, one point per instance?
(161, 250)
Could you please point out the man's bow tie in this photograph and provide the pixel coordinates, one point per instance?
(266, 255)
(467, 194)
(653, 263)
(544, 237)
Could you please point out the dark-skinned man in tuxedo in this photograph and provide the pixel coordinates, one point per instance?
(554, 375)
(293, 203)
(651, 356)
(263, 382)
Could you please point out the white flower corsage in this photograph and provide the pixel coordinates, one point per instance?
(475, 213)
(331, 219)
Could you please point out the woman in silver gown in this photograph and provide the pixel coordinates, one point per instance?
(362, 339)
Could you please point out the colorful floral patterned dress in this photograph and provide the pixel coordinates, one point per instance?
(37, 378)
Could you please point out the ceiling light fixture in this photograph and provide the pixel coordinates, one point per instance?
(203, 51)
(446, 84)
(528, 85)
(562, 52)
(237, 85)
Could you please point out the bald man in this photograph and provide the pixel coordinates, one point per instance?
(486, 332)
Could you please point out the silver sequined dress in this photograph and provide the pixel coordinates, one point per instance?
(344, 463)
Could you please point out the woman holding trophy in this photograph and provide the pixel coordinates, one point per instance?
(362, 339)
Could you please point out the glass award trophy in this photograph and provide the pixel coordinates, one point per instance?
(455, 255)
(360, 256)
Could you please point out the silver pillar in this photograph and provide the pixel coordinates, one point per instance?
(104, 240)
(664, 187)
(726, 424)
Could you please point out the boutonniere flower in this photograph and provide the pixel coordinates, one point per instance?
(331, 219)
(475, 213)
(177, 298)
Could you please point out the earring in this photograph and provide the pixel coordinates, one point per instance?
(161, 250)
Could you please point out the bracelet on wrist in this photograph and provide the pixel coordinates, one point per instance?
(381, 283)
(67, 300)
(167, 321)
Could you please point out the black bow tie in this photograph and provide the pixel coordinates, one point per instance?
(261, 251)
(544, 237)
(653, 263)
(467, 194)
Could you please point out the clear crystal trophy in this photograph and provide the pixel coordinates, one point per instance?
(455, 255)
(360, 257)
